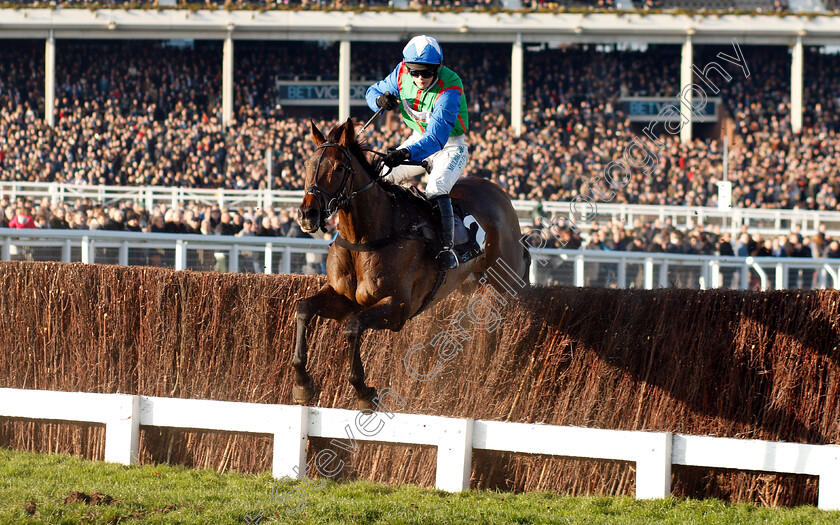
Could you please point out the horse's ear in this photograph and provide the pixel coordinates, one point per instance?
(348, 133)
(317, 136)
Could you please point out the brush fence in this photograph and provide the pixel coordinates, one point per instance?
(455, 439)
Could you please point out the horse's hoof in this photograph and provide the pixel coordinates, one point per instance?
(306, 394)
(366, 400)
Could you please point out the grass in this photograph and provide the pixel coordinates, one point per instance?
(33, 488)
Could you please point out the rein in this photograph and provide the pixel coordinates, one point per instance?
(331, 203)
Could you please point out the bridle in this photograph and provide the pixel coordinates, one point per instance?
(330, 203)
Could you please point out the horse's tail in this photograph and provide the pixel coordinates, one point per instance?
(526, 256)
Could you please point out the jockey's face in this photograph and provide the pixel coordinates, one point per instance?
(422, 82)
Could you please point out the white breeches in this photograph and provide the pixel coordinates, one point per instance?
(447, 166)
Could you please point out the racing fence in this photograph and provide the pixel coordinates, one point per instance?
(454, 439)
(731, 364)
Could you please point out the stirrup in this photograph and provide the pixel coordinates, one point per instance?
(441, 260)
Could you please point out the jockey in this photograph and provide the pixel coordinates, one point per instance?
(431, 100)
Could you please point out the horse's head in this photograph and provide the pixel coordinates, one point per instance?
(329, 175)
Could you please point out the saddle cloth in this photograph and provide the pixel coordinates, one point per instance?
(469, 236)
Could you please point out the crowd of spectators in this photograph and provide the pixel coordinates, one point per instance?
(540, 5)
(758, 6)
(311, 4)
(140, 113)
(85, 214)
(553, 5)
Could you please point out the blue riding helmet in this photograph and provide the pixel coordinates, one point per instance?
(423, 52)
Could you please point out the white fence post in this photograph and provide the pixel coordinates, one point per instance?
(579, 271)
(122, 430)
(454, 456)
(622, 273)
(234, 258)
(269, 259)
(67, 251)
(286, 263)
(781, 277)
(663, 273)
(533, 278)
(762, 275)
(653, 468)
(87, 250)
(289, 451)
(180, 255)
(124, 253)
(744, 281)
(714, 274)
(829, 482)
(835, 278)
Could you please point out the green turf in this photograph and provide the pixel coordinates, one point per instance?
(166, 494)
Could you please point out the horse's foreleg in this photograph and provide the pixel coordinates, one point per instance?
(326, 303)
(389, 313)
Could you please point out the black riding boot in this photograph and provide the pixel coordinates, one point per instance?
(446, 259)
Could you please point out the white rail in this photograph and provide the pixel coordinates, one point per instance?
(764, 221)
(455, 439)
(295, 255)
(650, 270)
(182, 252)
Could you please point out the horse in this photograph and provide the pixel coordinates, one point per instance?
(380, 270)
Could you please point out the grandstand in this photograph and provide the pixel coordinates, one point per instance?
(665, 146)
(220, 99)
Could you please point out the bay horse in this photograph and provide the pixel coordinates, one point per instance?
(379, 275)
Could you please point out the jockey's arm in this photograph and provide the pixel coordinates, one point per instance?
(388, 85)
(440, 126)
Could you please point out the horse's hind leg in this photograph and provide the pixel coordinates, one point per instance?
(326, 303)
(389, 313)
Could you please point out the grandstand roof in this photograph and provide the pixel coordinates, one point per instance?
(394, 26)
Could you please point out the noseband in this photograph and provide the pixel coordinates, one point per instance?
(331, 203)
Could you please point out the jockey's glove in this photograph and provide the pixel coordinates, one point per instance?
(396, 157)
(387, 101)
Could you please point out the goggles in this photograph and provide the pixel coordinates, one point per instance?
(423, 73)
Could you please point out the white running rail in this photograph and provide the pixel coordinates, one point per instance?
(306, 255)
(455, 439)
(760, 220)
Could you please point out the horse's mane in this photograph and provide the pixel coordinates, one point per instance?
(359, 149)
